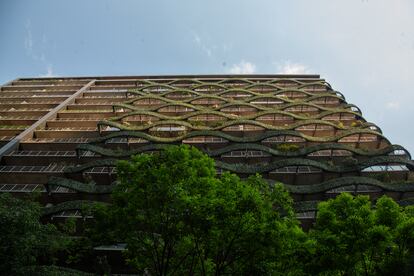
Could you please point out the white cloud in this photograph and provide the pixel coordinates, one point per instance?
(393, 105)
(49, 72)
(289, 67)
(28, 40)
(206, 49)
(243, 67)
(197, 38)
(29, 43)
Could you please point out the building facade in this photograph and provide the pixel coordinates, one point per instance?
(61, 137)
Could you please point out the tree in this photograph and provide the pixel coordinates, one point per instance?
(23, 238)
(353, 237)
(177, 216)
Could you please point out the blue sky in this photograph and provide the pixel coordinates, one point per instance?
(364, 48)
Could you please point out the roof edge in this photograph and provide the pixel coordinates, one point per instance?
(306, 76)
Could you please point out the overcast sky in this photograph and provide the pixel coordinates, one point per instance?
(364, 48)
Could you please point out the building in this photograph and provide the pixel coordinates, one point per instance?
(61, 136)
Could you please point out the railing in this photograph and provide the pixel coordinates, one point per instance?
(17, 117)
(72, 128)
(358, 139)
(204, 140)
(51, 168)
(306, 215)
(125, 141)
(250, 153)
(386, 168)
(43, 153)
(101, 170)
(75, 119)
(331, 153)
(242, 128)
(315, 127)
(282, 138)
(102, 97)
(22, 188)
(58, 140)
(353, 189)
(69, 214)
(25, 109)
(296, 169)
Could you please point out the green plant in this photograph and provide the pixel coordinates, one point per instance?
(287, 147)
(16, 127)
(24, 239)
(197, 123)
(356, 123)
(350, 161)
(214, 124)
(352, 237)
(178, 217)
(383, 176)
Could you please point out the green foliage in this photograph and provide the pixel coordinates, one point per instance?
(17, 127)
(69, 226)
(237, 139)
(357, 123)
(350, 161)
(52, 271)
(382, 176)
(353, 238)
(24, 240)
(301, 152)
(287, 147)
(79, 250)
(177, 216)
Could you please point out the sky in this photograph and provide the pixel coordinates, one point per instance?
(363, 48)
